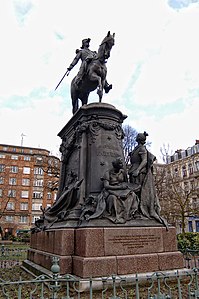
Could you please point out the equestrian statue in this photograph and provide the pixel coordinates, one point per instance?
(92, 72)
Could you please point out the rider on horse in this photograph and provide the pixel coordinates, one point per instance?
(86, 55)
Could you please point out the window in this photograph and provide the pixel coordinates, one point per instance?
(24, 194)
(10, 206)
(190, 226)
(38, 170)
(1, 192)
(176, 172)
(23, 206)
(26, 170)
(38, 183)
(14, 169)
(27, 158)
(1, 180)
(48, 206)
(197, 165)
(197, 226)
(12, 181)
(37, 194)
(2, 167)
(184, 171)
(183, 154)
(175, 156)
(13, 157)
(2, 156)
(190, 167)
(36, 206)
(192, 185)
(23, 219)
(195, 149)
(9, 218)
(26, 182)
(39, 159)
(49, 195)
(14, 149)
(12, 193)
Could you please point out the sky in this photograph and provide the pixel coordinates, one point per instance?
(153, 67)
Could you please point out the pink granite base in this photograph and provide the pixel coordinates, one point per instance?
(44, 259)
(140, 263)
(170, 260)
(94, 266)
(103, 251)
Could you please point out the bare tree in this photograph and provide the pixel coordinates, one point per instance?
(129, 141)
(176, 196)
(51, 166)
(165, 152)
(5, 209)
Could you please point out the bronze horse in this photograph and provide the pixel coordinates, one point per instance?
(95, 75)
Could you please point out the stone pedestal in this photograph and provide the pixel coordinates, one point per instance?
(96, 252)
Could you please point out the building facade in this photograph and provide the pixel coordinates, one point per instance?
(179, 191)
(28, 184)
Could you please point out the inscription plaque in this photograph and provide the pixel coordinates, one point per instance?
(129, 241)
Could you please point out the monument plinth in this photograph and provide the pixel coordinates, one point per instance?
(93, 228)
(96, 252)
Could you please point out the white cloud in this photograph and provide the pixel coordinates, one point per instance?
(179, 130)
(154, 61)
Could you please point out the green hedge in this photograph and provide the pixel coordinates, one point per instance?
(188, 240)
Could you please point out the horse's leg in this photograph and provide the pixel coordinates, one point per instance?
(84, 98)
(74, 97)
(102, 84)
(100, 92)
(95, 77)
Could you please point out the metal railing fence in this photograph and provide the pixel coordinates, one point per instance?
(158, 285)
(191, 258)
(11, 255)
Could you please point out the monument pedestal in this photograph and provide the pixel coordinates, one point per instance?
(96, 252)
(91, 141)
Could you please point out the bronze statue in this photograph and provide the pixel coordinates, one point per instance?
(141, 177)
(92, 72)
(85, 55)
(117, 201)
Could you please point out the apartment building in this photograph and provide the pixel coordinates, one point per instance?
(181, 182)
(28, 179)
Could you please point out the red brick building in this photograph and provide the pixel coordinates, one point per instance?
(28, 178)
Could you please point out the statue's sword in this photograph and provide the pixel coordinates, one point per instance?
(66, 74)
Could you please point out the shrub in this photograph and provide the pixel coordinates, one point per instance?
(188, 240)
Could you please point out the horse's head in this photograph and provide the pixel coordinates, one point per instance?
(106, 46)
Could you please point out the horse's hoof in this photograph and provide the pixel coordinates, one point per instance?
(107, 88)
(99, 92)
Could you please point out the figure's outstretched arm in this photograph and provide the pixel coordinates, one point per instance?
(75, 61)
